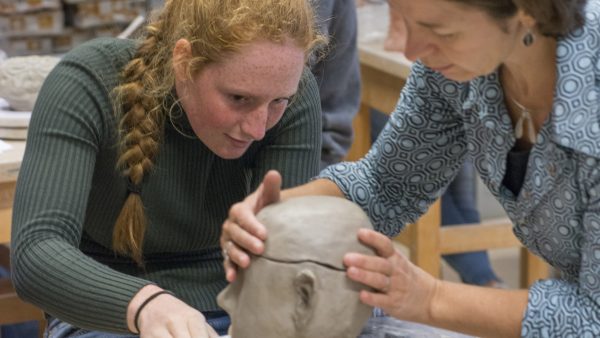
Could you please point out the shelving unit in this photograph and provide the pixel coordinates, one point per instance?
(37, 27)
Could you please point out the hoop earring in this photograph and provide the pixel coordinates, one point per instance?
(528, 39)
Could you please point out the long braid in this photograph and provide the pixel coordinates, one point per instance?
(141, 131)
(214, 28)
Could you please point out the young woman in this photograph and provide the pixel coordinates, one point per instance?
(135, 152)
(514, 85)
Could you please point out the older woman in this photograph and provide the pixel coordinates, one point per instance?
(513, 84)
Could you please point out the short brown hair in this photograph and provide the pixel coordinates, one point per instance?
(554, 17)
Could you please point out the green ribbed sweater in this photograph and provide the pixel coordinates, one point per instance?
(69, 195)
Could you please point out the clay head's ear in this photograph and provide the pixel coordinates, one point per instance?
(182, 53)
(306, 298)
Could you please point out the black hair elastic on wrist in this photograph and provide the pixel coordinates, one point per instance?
(148, 300)
(133, 188)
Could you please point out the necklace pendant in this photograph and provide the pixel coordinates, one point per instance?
(519, 128)
(524, 118)
(531, 131)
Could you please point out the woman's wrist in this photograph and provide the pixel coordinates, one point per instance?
(434, 303)
(137, 301)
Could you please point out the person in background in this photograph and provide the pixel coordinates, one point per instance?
(337, 71)
(513, 85)
(137, 149)
(459, 207)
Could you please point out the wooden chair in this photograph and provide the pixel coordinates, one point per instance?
(382, 79)
(427, 242)
(12, 309)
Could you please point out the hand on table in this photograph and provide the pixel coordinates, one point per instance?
(242, 232)
(402, 289)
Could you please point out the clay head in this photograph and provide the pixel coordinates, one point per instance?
(298, 287)
(21, 78)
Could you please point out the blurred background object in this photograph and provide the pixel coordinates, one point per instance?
(30, 27)
(21, 78)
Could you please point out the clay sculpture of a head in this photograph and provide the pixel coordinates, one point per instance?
(21, 78)
(298, 288)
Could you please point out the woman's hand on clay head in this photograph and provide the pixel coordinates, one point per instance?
(242, 232)
(167, 317)
(400, 288)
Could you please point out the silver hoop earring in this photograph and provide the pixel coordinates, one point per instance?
(528, 39)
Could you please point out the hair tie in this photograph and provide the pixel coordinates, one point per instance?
(134, 188)
(148, 300)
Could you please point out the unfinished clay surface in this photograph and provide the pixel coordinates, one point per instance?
(21, 79)
(299, 288)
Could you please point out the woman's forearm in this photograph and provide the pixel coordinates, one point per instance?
(319, 186)
(480, 311)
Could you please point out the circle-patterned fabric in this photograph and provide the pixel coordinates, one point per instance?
(438, 122)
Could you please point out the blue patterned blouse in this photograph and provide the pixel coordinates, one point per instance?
(438, 122)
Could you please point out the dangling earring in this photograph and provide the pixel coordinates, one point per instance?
(528, 39)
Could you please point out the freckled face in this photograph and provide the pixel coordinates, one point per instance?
(233, 103)
(458, 41)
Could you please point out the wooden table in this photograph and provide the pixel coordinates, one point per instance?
(10, 162)
(12, 309)
(383, 75)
